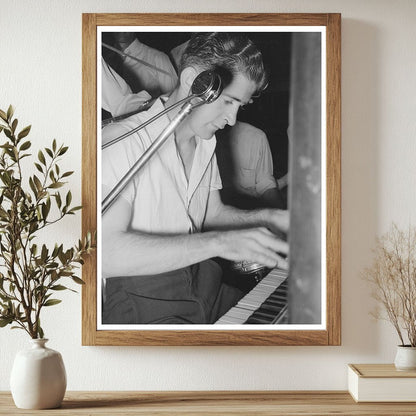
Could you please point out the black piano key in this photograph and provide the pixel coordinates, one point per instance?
(269, 307)
(254, 320)
(267, 312)
(274, 303)
(280, 291)
(262, 313)
(262, 318)
(273, 309)
(276, 298)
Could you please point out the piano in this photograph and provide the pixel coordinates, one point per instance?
(266, 303)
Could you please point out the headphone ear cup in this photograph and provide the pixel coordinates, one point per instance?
(207, 85)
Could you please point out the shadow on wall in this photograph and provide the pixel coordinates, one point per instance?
(360, 180)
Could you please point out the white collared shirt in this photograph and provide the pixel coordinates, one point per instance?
(162, 199)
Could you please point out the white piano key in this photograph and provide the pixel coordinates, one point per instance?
(252, 300)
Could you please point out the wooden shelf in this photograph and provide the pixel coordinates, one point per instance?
(178, 403)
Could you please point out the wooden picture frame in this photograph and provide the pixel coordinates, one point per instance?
(330, 334)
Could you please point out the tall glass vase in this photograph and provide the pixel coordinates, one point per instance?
(38, 377)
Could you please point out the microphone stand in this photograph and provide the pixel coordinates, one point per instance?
(143, 125)
(184, 111)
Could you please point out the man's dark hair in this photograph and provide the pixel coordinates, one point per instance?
(225, 51)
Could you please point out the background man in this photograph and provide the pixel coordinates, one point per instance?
(246, 168)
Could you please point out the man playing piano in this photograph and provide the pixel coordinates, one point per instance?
(160, 234)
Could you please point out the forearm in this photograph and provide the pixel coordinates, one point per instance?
(228, 217)
(225, 217)
(138, 254)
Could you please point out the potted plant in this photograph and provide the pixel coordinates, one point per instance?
(31, 273)
(393, 277)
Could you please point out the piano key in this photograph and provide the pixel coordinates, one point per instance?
(272, 287)
(265, 314)
(262, 313)
(272, 304)
(277, 298)
(255, 320)
(270, 307)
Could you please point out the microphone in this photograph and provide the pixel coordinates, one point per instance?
(207, 86)
(205, 89)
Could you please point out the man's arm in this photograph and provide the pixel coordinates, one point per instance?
(132, 253)
(220, 216)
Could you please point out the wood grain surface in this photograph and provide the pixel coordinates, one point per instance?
(381, 371)
(317, 403)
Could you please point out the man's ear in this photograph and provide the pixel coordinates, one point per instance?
(187, 78)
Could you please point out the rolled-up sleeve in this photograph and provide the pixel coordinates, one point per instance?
(264, 172)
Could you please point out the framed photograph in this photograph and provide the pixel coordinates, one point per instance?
(211, 172)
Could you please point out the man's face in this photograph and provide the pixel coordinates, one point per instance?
(204, 121)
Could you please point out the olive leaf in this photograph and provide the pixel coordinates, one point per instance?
(31, 271)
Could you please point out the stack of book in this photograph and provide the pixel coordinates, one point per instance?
(381, 383)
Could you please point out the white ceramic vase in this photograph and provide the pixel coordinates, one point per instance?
(38, 377)
(405, 358)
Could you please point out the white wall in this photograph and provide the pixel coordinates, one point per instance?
(40, 74)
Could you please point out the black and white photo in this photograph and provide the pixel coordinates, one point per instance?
(211, 179)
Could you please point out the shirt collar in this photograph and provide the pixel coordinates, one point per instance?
(204, 150)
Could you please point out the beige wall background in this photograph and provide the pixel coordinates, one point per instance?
(40, 74)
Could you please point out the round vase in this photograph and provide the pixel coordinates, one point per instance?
(38, 377)
(405, 358)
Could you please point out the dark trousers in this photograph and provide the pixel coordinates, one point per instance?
(192, 295)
